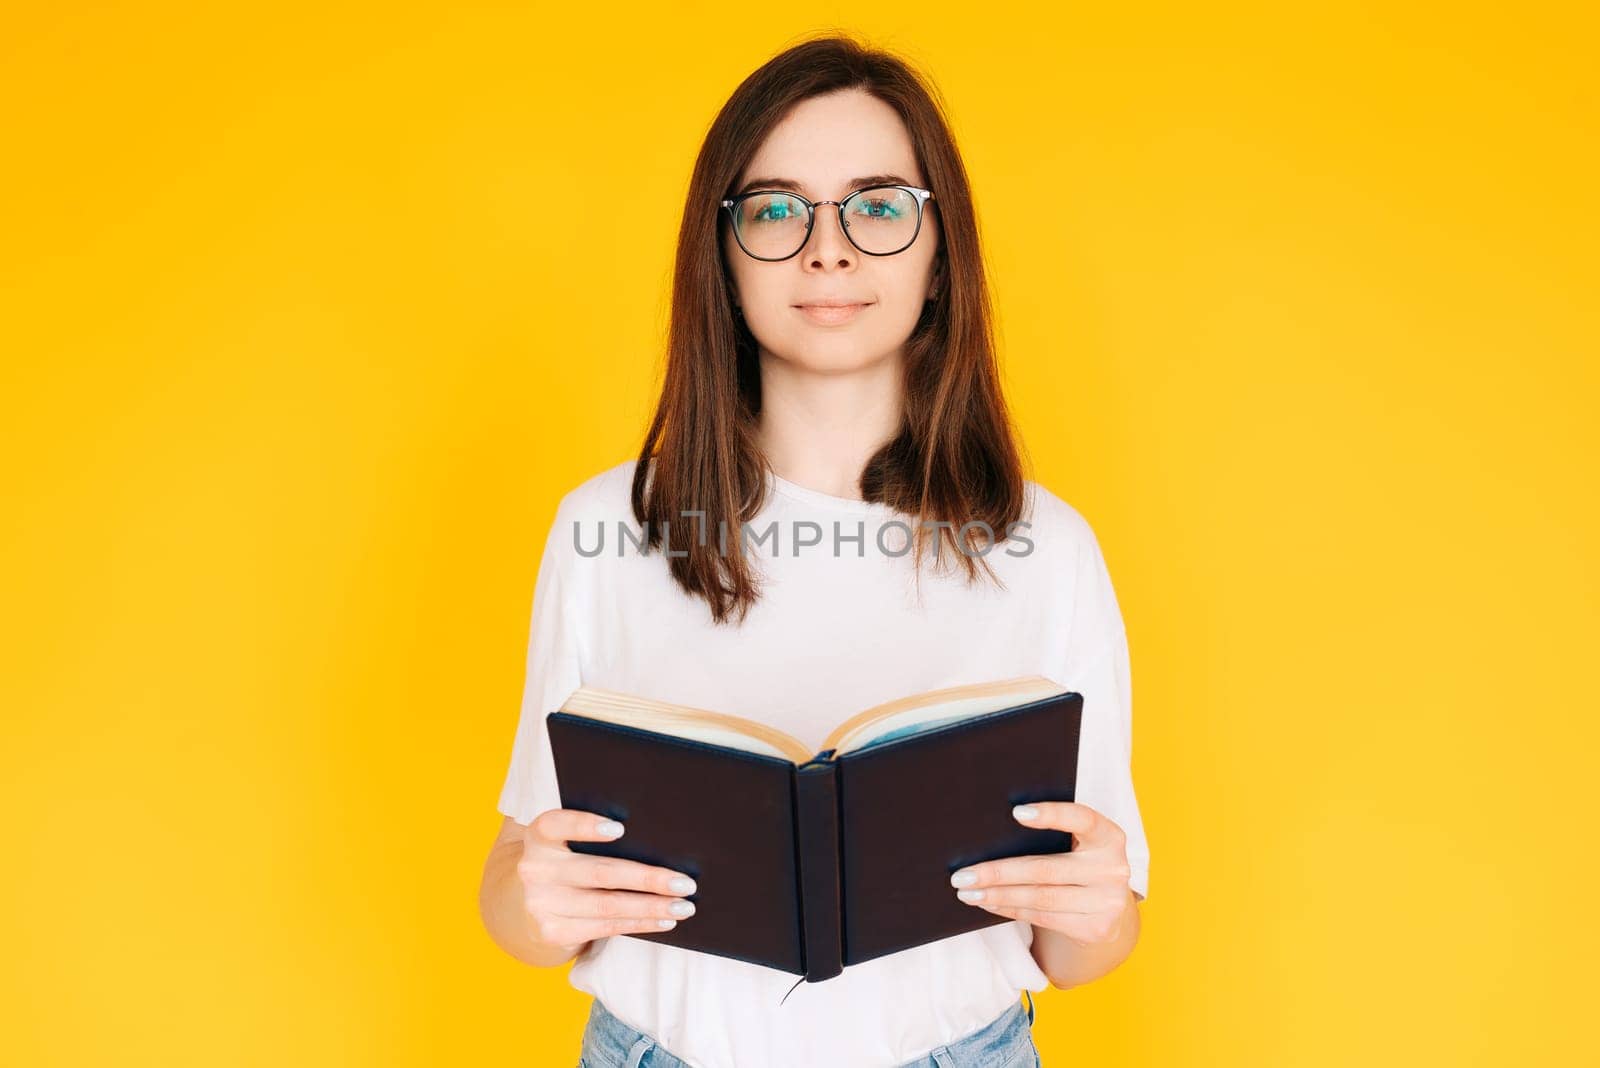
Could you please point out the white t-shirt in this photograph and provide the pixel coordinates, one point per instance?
(831, 635)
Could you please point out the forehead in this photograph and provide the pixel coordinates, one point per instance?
(826, 141)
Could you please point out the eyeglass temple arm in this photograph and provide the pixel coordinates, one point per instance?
(923, 193)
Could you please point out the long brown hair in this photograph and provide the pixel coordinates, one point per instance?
(955, 458)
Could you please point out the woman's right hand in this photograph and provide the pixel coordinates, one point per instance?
(574, 898)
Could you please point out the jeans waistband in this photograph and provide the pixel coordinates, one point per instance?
(610, 1043)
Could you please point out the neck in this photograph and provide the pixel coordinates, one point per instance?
(819, 429)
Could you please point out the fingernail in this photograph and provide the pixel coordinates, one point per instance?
(681, 884)
(970, 895)
(609, 828)
(1025, 812)
(681, 908)
(666, 924)
(964, 877)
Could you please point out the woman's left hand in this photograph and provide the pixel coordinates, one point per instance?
(1084, 894)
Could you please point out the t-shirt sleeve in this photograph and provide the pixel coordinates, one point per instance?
(1097, 667)
(552, 675)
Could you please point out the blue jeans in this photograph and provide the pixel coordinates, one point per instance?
(1007, 1042)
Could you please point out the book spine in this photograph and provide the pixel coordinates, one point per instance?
(817, 843)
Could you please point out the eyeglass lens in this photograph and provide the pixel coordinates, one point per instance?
(878, 221)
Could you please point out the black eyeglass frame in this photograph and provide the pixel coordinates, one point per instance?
(731, 207)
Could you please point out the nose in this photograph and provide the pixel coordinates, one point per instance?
(827, 244)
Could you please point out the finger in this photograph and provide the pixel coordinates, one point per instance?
(1042, 897)
(1088, 827)
(557, 826)
(1075, 925)
(1026, 915)
(1043, 868)
(619, 873)
(568, 931)
(577, 903)
(1080, 927)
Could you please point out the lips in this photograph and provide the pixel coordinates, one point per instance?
(832, 311)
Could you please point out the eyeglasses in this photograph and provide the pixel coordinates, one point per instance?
(879, 220)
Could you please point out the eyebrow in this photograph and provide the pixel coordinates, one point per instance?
(795, 187)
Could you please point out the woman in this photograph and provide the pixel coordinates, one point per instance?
(831, 362)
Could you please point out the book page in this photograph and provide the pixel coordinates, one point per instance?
(938, 708)
(682, 721)
(899, 718)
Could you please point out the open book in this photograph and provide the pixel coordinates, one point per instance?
(811, 862)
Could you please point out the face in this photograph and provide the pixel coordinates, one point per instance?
(824, 145)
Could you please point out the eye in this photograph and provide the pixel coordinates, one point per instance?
(878, 208)
(773, 208)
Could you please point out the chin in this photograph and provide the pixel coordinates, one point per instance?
(834, 355)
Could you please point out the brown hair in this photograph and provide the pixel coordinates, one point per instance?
(955, 458)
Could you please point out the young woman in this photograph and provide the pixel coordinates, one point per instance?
(831, 362)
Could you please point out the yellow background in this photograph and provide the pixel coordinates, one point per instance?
(311, 314)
